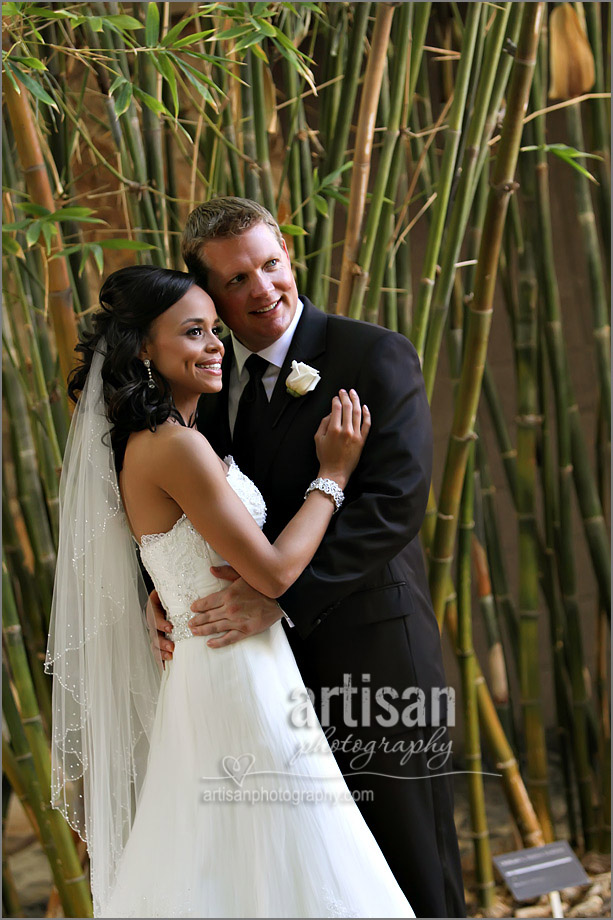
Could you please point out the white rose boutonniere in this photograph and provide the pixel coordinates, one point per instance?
(302, 379)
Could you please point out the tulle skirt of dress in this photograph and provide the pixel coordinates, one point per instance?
(230, 822)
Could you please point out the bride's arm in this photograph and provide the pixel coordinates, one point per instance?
(189, 471)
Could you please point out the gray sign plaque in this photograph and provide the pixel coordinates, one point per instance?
(539, 870)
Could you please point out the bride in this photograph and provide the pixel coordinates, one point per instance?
(183, 777)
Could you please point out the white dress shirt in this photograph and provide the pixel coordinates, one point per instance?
(275, 354)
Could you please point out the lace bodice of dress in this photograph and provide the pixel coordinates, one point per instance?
(179, 559)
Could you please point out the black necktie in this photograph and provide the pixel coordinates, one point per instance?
(251, 414)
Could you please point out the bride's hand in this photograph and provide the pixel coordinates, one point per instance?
(341, 436)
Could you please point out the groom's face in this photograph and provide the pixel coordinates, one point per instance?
(250, 280)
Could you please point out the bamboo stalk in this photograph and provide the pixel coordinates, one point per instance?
(39, 189)
(600, 128)
(445, 179)
(464, 197)
(337, 145)
(477, 335)
(543, 248)
(251, 172)
(591, 247)
(31, 615)
(18, 766)
(372, 231)
(528, 421)
(557, 619)
(30, 495)
(79, 899)
(363, 152)
(465, 653)
(261, 134)
(519, 802)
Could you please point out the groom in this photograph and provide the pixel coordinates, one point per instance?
(359, 618)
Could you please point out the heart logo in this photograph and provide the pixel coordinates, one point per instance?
(238, 767)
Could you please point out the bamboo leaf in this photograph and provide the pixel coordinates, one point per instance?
(233, 32)
(33, 232)
(266, 27)
(10, 246)
(32, 62)
(248, 41)
(260, 53)
(30, 207)
(42, 12)
(163, 64)
(49, 231)
(193, 38)
(292, 230)
(152, 25)
(321, 204)
(12, 80)
(172, 34)
(95, 24)
(98, 255)
(122, 22)
(32, 85)
(122, 98)
(156, 105)
(134, 245)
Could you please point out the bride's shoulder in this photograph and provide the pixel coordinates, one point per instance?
(169, 442)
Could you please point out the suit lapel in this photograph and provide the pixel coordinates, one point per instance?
(308, 343)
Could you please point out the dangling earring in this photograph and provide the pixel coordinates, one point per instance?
(151, 383)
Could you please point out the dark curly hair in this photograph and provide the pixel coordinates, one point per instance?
(130, 300)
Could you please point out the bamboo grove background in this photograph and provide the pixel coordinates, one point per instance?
(364, 127)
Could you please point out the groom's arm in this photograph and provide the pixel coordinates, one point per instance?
(387, 495)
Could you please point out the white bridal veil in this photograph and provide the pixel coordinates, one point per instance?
(105, 678)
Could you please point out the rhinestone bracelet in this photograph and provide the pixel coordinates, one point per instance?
(329, 487)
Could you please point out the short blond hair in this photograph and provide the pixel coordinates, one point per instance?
(219, 219)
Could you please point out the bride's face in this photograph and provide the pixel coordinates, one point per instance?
(184, 347)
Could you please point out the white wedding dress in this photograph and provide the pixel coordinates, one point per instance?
(230, 822)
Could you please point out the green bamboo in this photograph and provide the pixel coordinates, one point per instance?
(435, 235)
(251, 175)
(465, 653)
(562, 388)
(492, 731)
(18, 765)
(591, 247)
(372, 230)
(497, 664)
(557, 619)
(481, 308)
(502, 595)
(51, 457)
(528, 422)
(261, 134)
(78, 888)
(32, 618)
(337, 145)
(462, 203)
(362, 155)
(601, 132)
(30, 494)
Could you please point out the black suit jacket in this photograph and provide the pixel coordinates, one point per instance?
(368, 571)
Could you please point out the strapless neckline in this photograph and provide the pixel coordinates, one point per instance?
(150, 537)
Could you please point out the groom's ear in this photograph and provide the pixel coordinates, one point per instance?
(286, 251)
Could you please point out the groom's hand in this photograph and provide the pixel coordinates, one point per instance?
(238, 611)
(161, 646)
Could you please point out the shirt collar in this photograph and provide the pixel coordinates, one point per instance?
(275, 353)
